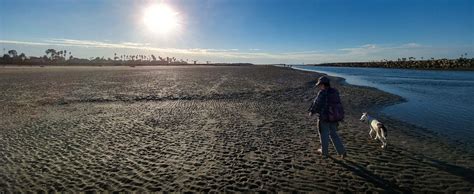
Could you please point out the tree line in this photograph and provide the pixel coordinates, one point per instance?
(63, 57)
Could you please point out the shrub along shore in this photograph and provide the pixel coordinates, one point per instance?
(440, 64)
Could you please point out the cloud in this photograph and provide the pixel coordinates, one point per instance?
(370, 52)
(411, 45)
(135, 44)
(24, 42)
(302, 52)
(366, 52)
(209, 52)
(363, 50)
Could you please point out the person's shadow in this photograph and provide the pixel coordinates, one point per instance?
(466, 173)
(371, 177)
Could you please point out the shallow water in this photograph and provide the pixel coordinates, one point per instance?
(441, 101)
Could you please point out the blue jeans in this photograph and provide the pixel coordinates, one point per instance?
(326, 130)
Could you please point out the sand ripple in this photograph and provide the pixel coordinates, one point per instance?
(204, 129)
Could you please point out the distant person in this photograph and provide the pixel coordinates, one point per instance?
(328, 107)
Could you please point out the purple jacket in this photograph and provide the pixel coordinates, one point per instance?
(320, 105)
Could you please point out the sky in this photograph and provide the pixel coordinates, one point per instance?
(255, 31)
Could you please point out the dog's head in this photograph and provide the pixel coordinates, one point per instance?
(364, 116)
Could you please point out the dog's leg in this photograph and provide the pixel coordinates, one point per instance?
(381, 140)
(383, 132)
(370, 132)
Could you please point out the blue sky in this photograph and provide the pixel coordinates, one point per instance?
(258, 31)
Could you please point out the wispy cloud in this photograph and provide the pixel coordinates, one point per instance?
(137, 46)
(296, 53)
(25, 43)
(366, 52)
(123, 45)
(411, 45)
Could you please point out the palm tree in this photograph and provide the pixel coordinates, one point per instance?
(60, 54)
(22, 56)
(12, 53)
(51, 52)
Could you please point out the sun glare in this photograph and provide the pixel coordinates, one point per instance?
(160, 18)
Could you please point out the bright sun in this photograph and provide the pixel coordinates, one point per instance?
(160, 18)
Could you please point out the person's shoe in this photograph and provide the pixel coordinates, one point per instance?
(344, 155)
(320, 152)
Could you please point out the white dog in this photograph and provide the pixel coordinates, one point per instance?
(377, 127)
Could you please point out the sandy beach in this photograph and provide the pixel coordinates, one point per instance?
(205, 128)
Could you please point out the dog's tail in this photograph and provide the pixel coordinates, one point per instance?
(383, 130)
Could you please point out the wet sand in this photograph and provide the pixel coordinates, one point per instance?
(205, 129)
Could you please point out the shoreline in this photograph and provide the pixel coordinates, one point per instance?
(396, 100)
(205, 129)
(418, 69)
(463, 64)
(124, 65)
(376, 108)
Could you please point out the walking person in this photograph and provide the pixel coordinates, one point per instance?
(328, 107)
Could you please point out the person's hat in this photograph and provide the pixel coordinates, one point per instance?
(322, 80)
